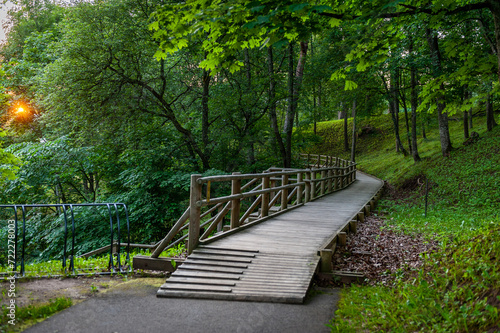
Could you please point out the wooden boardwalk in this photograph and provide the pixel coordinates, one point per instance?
(273, 261)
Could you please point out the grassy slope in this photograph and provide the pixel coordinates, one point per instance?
(458, 289)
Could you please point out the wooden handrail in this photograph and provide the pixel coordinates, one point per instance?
(273, 194)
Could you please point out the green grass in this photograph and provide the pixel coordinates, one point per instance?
(95, 264)
(458, 288)
(29, 315)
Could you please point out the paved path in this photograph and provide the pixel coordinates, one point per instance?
(273, 261)
(134, 308)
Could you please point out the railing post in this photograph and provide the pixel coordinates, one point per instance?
(351, 173)
(307, 197)
(284, 192)
(194, 214)
(329, 175)
(235, 203)
(341, 178)
(319, 161)
(265, 198)
(313, 184)
(272, 185)
(322, 182)
(299, 188)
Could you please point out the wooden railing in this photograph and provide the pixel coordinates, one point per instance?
(253, 198)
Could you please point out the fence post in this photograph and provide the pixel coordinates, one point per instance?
(322, 182)
(299, 188)
(194, 214)
(265, 198)
(235, 203)
(341, 178)
(307, 197)
(313, 184)
(329, 175)
(284, 192)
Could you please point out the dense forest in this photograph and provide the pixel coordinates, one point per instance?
(121, 100)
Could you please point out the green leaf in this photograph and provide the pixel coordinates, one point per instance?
(350, 85)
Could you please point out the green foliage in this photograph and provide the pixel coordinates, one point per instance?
(9, 163)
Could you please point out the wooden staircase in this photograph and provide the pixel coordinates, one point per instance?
(241, 275)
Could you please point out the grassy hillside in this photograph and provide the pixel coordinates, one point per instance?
(458, 288)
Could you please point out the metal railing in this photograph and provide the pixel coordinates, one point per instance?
(20, 212)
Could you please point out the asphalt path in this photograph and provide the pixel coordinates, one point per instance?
(133, 307)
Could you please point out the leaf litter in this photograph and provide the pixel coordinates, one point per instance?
(379, 253)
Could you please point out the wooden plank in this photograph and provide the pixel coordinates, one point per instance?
(212, 282)
(211, 269)
(196, 287)
(219, 258)
(226, 253)
(215, 263)
(206, 275)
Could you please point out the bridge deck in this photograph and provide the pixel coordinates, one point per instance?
(273, 261)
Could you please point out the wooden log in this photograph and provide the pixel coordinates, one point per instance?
(155, 264)
(326, 261)
(367, 210)
(373, 203)
(235, 203)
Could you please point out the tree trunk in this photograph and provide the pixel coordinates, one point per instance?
(402, 97)
(272, 107)
(495, 11)
(444, 132)
(205, 80)
(393, 110)
(414, 105)
(490, 116)
(470, 119)
(288, 128)
(465, 116)
(354, 133)
(294, 83)
(346, 138)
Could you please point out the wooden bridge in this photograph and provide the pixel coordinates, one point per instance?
(283, 227)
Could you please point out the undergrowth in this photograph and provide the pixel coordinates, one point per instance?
(458, 287)
(457, 290)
